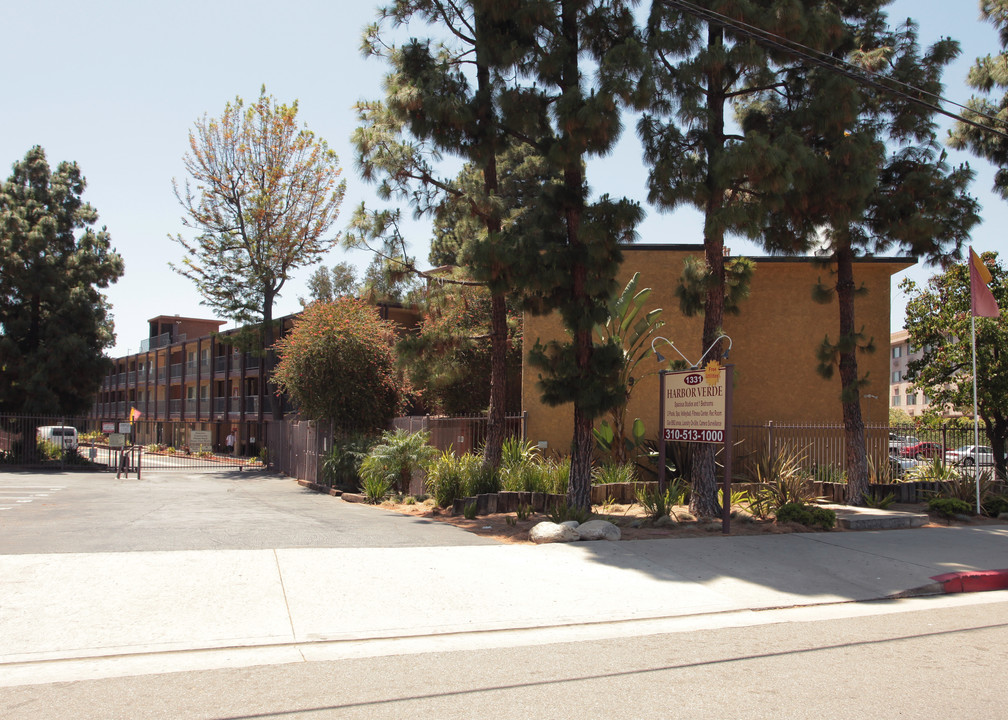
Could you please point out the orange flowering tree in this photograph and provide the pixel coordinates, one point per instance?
(336, 364)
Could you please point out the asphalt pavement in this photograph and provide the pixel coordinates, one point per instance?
(70, 616)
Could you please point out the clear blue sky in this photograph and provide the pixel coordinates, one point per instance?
(116, 86)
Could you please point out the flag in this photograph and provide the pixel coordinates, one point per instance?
(134, 415)
(982, 303)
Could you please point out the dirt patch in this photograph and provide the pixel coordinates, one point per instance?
(633, 524)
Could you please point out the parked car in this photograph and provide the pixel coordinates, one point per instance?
(900, 466)
(968, 455)
(62, 435)
(898, 442)
(921, 450)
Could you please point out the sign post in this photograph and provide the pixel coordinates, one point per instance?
(696, 406)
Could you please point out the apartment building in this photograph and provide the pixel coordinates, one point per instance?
(188, 375)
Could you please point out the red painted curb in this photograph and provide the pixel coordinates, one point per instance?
(973, 581)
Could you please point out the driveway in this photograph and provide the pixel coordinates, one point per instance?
(93, 512)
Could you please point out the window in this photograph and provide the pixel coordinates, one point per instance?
(895, 400)
(896, 376)
(912, 399)
(896, 351)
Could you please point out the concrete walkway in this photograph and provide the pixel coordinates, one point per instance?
(77, 616)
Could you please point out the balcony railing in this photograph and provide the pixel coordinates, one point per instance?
(176, 370)
(220, 364)
(175, 407)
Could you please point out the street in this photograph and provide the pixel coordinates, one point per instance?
(246, 596)
(919, 663)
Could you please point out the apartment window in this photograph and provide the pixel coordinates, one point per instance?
(896, 376)
(897, 351)
(895, 400)
(912, 399)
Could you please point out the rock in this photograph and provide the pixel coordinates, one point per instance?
(548, 532)
(571, 524)
(636, 523)
(598, 530)
(664, 521)
(1002, 516)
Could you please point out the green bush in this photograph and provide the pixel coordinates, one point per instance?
(396, 456)
(481, 479)
(565, 512)
(614, 473)
(807, 515)
(994, 505)
(446, 477)
(336, 363)
(376, 488)
(656, 504)
(341, 465)
(949, 507)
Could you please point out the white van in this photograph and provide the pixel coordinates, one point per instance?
(62, 435)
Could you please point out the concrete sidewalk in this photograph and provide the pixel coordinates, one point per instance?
(105, 614)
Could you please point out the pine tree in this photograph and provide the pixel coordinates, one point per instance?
(872, 178)
(986, 76)
(441, 96)
(583, 65)
(697, 156)
(54, 321)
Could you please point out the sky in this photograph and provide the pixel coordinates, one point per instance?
(117, 85)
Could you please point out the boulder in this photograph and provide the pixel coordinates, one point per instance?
(598, 530)
(548, 532)
(572, 524)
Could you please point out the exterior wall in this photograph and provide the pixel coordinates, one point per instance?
(774, 343)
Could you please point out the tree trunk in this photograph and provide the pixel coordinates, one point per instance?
(269, 361)
(579, 484)
(487, 131)
(703, 495)
(857, 459)
(498, 382)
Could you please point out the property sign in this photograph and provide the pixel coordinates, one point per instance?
(108, 427)
(125, 428)
(694, 405)
(199, 438)
(117, 440)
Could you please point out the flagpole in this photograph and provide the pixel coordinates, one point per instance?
(976, 418)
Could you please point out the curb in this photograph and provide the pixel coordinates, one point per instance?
(972, 581)
(964, 581)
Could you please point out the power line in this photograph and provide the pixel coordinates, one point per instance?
(816, 57)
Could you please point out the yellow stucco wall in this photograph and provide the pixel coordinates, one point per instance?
(775, 339)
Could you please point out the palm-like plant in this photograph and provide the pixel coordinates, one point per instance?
(631, 328)
(396, 457)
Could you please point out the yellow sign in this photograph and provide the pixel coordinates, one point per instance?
(712, 373)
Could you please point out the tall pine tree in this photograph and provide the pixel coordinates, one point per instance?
(872, 179)
(54, 321)
(582, 67)
(442, 96)
(697, 155)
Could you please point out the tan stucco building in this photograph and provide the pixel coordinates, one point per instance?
(775, 339)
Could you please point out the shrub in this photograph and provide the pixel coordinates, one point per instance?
(657, 504)
(807, 515)
(446, 477)
(614, 473)
(481, 479)
(396, 456)
(336, 363)
(376, 488)
(783, 478)
(469, 511)
(949, 507)
(994, 505)
(565, 512)
(341, 465)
